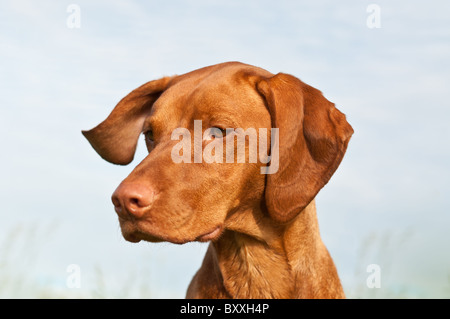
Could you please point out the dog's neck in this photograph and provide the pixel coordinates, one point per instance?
(256, 259)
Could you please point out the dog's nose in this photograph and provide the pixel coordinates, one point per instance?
(132, 199)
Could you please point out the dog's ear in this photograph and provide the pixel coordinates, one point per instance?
(115, 139)
(313, 137)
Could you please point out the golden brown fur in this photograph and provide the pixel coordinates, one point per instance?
(263, 230)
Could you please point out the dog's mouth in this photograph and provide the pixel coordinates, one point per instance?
(213, 235)
(137, 237)
(134, 232)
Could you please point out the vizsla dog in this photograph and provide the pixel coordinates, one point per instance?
(262, 228)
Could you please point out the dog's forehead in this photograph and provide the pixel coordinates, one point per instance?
(225, 92)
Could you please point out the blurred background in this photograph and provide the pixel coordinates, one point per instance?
(64, 66)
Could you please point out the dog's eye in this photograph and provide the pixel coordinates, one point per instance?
(213, 132)
(149, 136)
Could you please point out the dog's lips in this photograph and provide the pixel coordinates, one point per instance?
(137, 236)
(129, 231)
(134, 232)
(211, 235)
(131, 237)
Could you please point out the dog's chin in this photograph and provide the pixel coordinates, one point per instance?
(136, 237)
(131, 237)
(134, 233)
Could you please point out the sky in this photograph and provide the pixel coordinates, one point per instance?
(385, 205)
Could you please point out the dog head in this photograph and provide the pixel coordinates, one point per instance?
(211, 135)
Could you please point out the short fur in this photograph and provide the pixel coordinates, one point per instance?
(263, 230)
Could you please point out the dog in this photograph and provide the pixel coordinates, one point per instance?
(261, 224)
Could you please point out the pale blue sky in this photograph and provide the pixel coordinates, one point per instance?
(386, 204)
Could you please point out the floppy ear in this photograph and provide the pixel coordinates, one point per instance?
(313, 137)
(115, 139)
